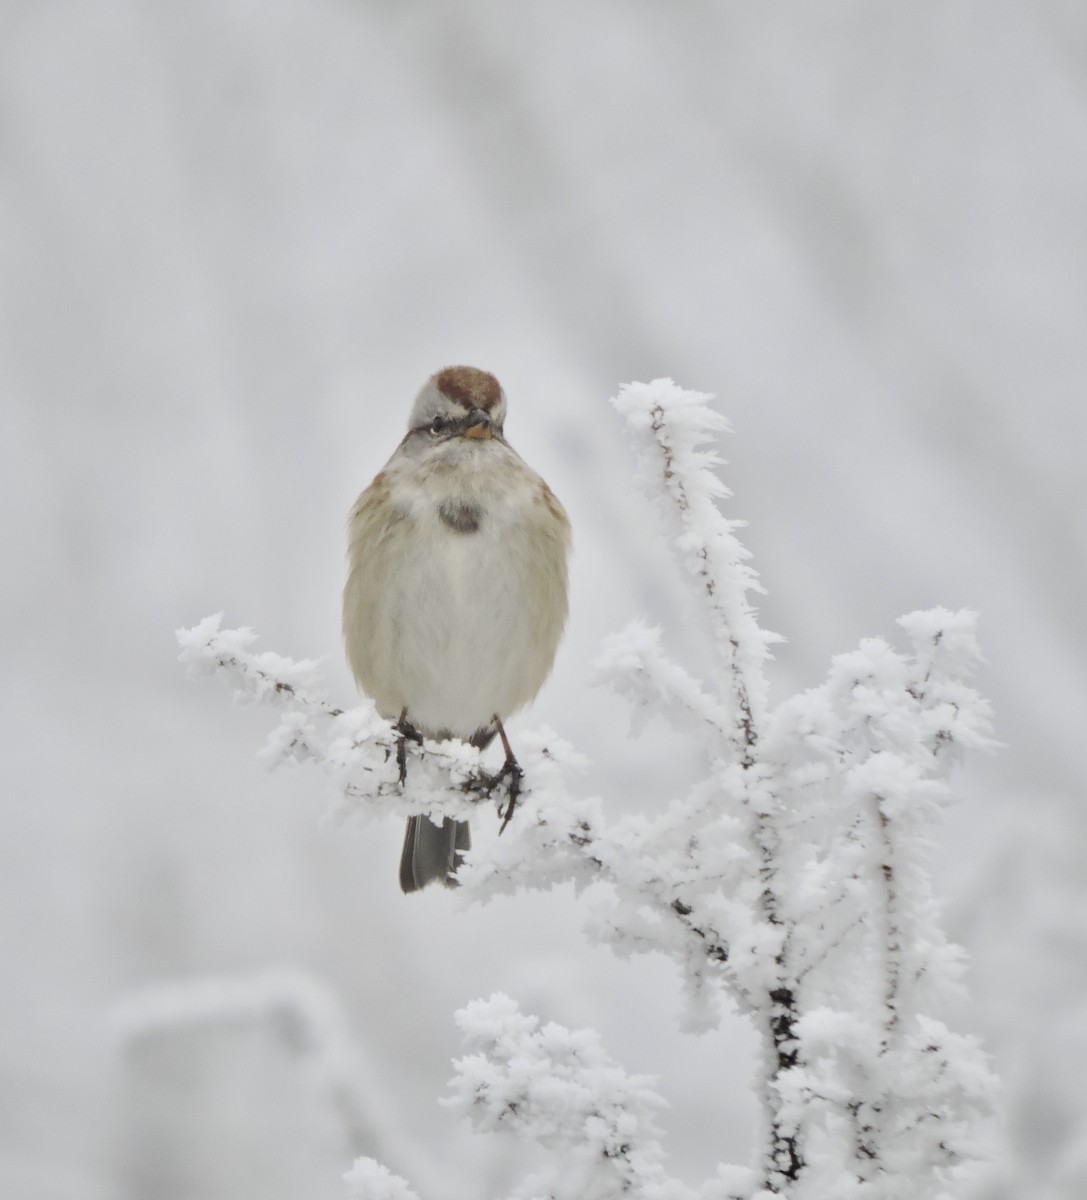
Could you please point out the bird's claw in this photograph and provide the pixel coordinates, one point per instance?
(513, 769)
(483, 785)
(478, 783)
(405, 730)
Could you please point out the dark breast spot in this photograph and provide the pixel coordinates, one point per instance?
(459, 516)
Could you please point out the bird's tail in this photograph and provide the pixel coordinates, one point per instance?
(432, 852)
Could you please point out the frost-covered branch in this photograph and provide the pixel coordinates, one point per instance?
(669, 428)
(559, 1088)
(792, 878)
(635, 663)
(356, 747)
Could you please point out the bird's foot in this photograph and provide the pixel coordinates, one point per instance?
(511, 768)
(405, 730)
(510, 773)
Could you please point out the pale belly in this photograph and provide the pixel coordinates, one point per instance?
(471, 624)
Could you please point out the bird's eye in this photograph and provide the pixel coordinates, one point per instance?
(437, 425)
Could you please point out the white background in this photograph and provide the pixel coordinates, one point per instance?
(235, 238)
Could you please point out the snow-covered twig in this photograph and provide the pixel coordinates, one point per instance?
(355, 747)
(636, 664)
(669, 428)
(559, 1088)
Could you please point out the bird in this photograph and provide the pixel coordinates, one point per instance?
(456, 592)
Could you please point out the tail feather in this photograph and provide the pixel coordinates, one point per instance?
(432, 852)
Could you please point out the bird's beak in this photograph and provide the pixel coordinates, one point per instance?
(479, 425)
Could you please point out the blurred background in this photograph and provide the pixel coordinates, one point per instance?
(235, 238)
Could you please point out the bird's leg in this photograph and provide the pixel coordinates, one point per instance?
(479, 783)
(405, 729)
(512, 768)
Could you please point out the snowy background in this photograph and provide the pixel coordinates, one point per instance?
(235, 238)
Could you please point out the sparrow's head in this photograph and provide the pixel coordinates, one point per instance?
(459, 402)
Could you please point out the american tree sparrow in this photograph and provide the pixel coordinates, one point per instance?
(456, 589)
